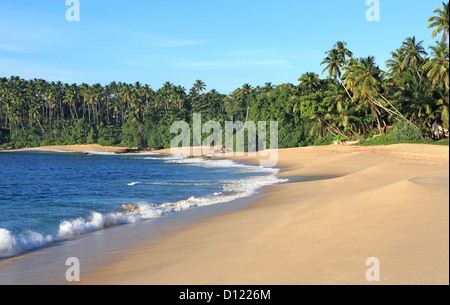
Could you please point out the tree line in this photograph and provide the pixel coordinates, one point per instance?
(357, 100)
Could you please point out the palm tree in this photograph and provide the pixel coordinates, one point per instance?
(267, 87)
(412, 53)
(196, 91)
(395, 64)
(310, 82)
(145, 93)
(71, 97)
(179, 97)
(343, 52)
(336, 61)
(199, 86)
(35, 113)
(50, 97)
(438, 66)
(84, 91)
(165, 96)
(126, 96)
(417, 96)
(335, 97)
(440, 22)
(365, 80)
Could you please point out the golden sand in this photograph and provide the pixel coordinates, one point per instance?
(387, 202)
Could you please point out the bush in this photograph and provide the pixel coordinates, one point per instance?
(340, 138)
(326, 140)
(404, 132)
(45, 142)
(131, 135)
(384, 139)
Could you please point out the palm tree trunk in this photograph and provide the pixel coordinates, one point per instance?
(398, 114)
(346, 90)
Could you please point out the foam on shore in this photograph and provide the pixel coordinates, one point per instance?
(11, 245)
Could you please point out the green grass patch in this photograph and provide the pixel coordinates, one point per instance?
(386, 139)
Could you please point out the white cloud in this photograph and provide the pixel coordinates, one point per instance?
(13, 48)
(30, 70)
(236, 64)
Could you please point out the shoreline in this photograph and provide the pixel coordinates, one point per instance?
(385, 202)
(36, 260)
(390, 203)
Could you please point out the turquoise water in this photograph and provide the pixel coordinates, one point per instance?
(52, 196)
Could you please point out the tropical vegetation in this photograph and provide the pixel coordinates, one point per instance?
(357, 100)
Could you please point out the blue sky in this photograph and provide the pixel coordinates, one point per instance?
(225, 43)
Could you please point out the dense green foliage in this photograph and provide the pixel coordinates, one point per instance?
(358, 100)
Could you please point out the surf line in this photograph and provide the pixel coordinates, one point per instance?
(236, 135)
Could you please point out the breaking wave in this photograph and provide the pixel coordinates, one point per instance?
(11, 245)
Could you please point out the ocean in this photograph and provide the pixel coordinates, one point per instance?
(49, 196)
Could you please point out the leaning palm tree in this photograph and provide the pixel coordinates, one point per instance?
(440, 22)
(365, 80)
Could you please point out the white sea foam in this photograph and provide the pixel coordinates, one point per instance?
(169, 183)
(164, 157)
(134, 183)
(87, 152)
(11, 245)
(222, 163)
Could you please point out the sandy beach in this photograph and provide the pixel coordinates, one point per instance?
(89, 147)
(386, 202)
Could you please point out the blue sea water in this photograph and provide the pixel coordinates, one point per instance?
(52, 196)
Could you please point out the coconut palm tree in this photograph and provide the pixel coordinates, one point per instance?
(412, 52)
(35, 113)
(336, 61)
(145, 94)
(440, 21)
(310, 82)
(268, 87)
(365, 80)
(395, 64)
(50, 98)
(126, 96)
(335, 97)
(165, 96)
(416, 95)
(438, 66)
(343, 52)
(199, 86)
(71, 97)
